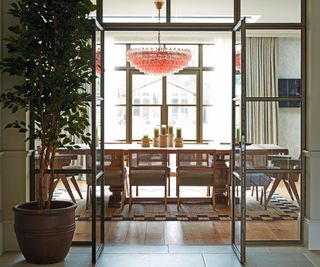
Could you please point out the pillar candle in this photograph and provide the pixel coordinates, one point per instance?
(178, 132)
(156, 132)
(163, 129)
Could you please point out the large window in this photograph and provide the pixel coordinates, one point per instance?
(188, 99)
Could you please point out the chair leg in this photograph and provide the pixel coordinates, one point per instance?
(87, 198)
(123, 197)
(257, 192)
(178, 197)
(130, 197)
(229, 195)
(213, 195)
(165, 197)
(169, 188)
(252, 190)
(265, 197)
(262, 195)
(208, 191)
(76, 186)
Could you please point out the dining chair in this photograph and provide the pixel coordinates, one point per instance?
(289, 179)
(195, 168)
(148, 167)
(65, 162)
(114, 173)
(256, 180)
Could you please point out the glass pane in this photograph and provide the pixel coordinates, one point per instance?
(209, 85)
(115, 88)
(119, 53)
(277, 57)
(115, 124)
(146, 89)
(208, 125)
(194, 62)
(144, 119)
(184, 118)
(208, 55)
(129, 11)
(213, 11)
(271, 11)
(181, 89)
(274, 129)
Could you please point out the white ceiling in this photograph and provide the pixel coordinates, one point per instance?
(266, 10)
(192, 37)
(262, 10)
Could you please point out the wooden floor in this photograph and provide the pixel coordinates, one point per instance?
(182, 233)
(179, 233)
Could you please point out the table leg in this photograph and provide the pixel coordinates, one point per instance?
(67, 186)
(295, 191)
(273, 188)
(116, 197)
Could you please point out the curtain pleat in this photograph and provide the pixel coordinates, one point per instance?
(261, 81)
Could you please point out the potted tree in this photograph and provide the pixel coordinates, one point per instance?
(50, 47)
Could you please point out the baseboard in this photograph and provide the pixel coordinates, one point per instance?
(10, 242)
(312, 233)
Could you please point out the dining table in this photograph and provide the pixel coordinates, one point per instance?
(222, 161)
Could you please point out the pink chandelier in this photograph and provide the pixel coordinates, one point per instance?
(161, 60)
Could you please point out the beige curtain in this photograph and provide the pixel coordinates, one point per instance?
(262, 81)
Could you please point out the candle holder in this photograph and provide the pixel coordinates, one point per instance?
(156, 141)
(145, 141)
(170, 140)
(163, 140)
(178, 142)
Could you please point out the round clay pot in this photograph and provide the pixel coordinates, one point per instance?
(45, 236)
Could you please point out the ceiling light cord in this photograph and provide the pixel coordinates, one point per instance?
(159, 5)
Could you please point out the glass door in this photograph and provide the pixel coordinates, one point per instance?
(239, 141)
(97, 149)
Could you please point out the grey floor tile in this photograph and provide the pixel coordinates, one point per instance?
(221, 260)
(287, 249)
(17, 260)
(255, 250)
(278, 260)
(313, 256)
(200, 249)
(133, 249)
(80, 249)
(147, 260)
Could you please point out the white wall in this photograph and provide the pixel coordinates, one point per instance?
(14, 176)
(289, 67)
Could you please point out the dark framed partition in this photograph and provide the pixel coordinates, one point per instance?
(96, 151)
(84, 162)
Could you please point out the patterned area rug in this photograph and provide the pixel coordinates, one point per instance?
(279, 208)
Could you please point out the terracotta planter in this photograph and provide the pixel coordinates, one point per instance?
(45, 236)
